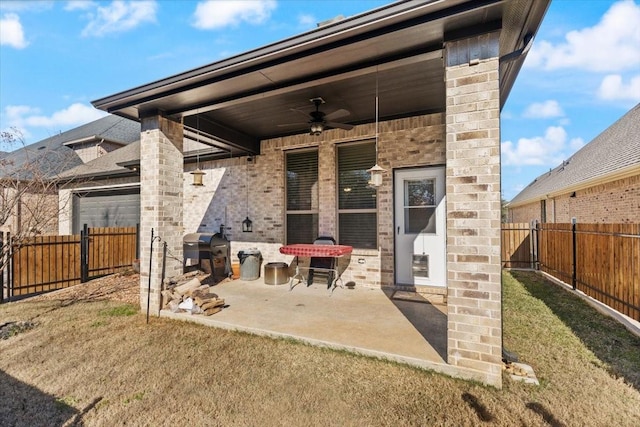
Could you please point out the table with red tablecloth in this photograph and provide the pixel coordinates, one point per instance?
(316, 250)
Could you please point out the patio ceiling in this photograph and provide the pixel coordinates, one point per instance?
(261, 94)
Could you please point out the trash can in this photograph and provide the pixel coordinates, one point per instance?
(250, 261)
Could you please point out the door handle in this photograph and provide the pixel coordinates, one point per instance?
(398, 229)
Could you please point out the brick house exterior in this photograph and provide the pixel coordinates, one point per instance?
(440, 99)
(600, 183)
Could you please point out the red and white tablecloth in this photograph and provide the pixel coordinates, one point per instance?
(310, 250)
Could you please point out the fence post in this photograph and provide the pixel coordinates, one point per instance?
(84, 254)
(536, 244)
(574, 250)
(137, 241)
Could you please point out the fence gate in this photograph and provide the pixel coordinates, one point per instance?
(46, 263)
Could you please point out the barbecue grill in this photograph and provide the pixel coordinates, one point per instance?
(211, 246)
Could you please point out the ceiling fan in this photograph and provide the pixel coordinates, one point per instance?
(319, 120)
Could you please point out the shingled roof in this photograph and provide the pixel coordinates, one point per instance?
(53, 155)
(107, 165)
(614, 151)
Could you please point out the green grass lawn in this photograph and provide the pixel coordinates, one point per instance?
(99, 363)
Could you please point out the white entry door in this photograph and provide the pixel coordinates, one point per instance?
(420, 226)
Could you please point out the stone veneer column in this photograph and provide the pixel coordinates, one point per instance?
(161, 203)
(473, 207)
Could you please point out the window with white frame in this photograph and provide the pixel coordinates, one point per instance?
(302, 196)
(357, 200)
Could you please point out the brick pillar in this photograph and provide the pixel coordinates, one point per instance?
(473, 207)
(161, 203)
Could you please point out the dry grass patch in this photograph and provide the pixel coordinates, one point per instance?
(96, 363)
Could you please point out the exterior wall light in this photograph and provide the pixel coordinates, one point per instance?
(247, 225)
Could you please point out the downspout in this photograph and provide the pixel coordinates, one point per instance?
(528, 42)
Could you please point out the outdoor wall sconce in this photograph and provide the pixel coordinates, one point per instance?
(197, 177)
(247, 225)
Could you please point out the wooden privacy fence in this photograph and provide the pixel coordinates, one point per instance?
(601, 260)
(46, 263)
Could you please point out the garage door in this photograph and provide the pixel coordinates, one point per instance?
(114, 208)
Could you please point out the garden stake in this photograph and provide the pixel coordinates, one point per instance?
(150, 260)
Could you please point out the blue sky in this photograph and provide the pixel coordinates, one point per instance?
(582, 74)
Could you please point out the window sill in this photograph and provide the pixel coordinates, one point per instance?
(365, 252)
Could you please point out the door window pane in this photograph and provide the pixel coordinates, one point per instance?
(419, 220)
(420, 206)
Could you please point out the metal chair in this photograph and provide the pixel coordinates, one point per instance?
(327, 264)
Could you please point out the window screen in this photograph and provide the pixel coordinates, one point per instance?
(302, 196)
(357, 200)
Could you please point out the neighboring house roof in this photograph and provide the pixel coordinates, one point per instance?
(124, 161)
(611, 155)
(107, 165)
(53, 155)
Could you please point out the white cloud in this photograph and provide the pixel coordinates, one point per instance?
(21, 6)
(215, 14)
(544, 110)
(120, 16)
(24, 116)
(613, 44)
(11, 32)
(613, 88)
(540, 150)
(306, 20)
(80, 5)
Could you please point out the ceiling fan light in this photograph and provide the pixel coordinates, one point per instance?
(316, 128)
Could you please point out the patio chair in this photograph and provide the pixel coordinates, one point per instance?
(326, 264)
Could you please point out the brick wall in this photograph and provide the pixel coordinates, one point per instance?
(473, 210)
(612, 202)
(161, 202)
(229, 183)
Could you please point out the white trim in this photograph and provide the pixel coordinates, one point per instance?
(105, 187)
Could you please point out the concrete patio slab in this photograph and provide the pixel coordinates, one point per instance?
(361, 320)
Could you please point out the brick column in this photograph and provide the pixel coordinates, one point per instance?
(473, 207)
(161, 203)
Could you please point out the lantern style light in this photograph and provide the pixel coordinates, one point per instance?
(247, 225)
(376, 175)
(197, 177)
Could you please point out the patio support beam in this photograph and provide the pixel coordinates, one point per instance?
(473, 206)
(161, 203)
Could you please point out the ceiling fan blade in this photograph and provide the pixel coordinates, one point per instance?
(283, 125)
(297, 110)
(337, 114)
(339, 125)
